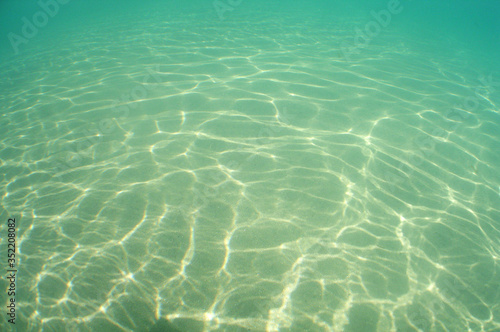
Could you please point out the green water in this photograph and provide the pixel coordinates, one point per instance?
(252, 166)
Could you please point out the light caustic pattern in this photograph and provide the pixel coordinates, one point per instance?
(231, 179)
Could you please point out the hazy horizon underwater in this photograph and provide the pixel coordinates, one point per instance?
(236, 165)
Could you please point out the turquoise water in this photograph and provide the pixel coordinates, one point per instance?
(251, 166)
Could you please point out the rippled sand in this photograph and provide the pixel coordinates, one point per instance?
(247, 176)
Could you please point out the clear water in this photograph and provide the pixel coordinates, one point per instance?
(252, 165)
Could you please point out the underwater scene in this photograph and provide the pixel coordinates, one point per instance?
(237, 165)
